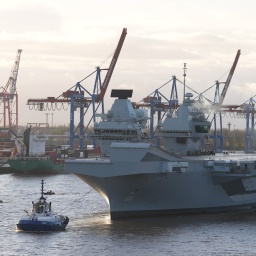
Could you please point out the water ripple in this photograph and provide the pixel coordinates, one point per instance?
(91, 232)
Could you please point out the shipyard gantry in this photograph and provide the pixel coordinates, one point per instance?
(81, 98)
(78, 97)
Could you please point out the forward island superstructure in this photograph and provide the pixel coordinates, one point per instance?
(138, 178)
(122, 123)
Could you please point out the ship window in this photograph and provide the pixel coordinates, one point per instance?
(39, 208)
(181, 140)
(202, 128)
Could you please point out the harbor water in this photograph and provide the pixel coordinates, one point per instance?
(91, 232)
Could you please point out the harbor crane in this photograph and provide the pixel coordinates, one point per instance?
(247, 111)
(9, 98)
(78, 97)
(218, 102)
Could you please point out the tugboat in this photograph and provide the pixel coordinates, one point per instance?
(42, 217)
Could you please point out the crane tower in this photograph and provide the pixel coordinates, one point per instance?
(9, 98)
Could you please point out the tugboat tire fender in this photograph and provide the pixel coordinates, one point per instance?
(66, 221)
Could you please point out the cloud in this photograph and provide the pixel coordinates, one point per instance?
(29, 17)
(247, 89)
(63, 42)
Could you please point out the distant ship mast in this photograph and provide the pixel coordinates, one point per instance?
(184, 75)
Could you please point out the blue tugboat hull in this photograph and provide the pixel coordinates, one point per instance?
(39, 226)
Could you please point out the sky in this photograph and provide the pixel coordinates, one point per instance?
(63, 41)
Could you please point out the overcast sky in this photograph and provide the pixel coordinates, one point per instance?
(63, 41)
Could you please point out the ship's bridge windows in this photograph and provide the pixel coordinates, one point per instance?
(115, 132)
(121, 132)
(39, 208)
(202, 128)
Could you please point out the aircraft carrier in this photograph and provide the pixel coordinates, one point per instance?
(138, 178)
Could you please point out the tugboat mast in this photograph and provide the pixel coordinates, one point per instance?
(42, 189)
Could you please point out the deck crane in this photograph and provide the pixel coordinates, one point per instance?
(9, 97)
(78, 97)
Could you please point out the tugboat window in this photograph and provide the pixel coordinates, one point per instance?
(40, 209)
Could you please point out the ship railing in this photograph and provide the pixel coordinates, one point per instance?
(114, 136)
(126, 119)
(31, 157)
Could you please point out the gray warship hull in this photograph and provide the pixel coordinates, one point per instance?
(139, 179)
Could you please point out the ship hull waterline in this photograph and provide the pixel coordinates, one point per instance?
(35, 166)
(39, 226)
(151, 194)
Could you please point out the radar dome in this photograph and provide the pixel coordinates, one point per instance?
(188, 94)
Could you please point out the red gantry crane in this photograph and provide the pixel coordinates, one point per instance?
(75, 96)
(218, 102)
(9, 98)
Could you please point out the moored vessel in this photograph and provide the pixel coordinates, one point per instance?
(30, 156)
